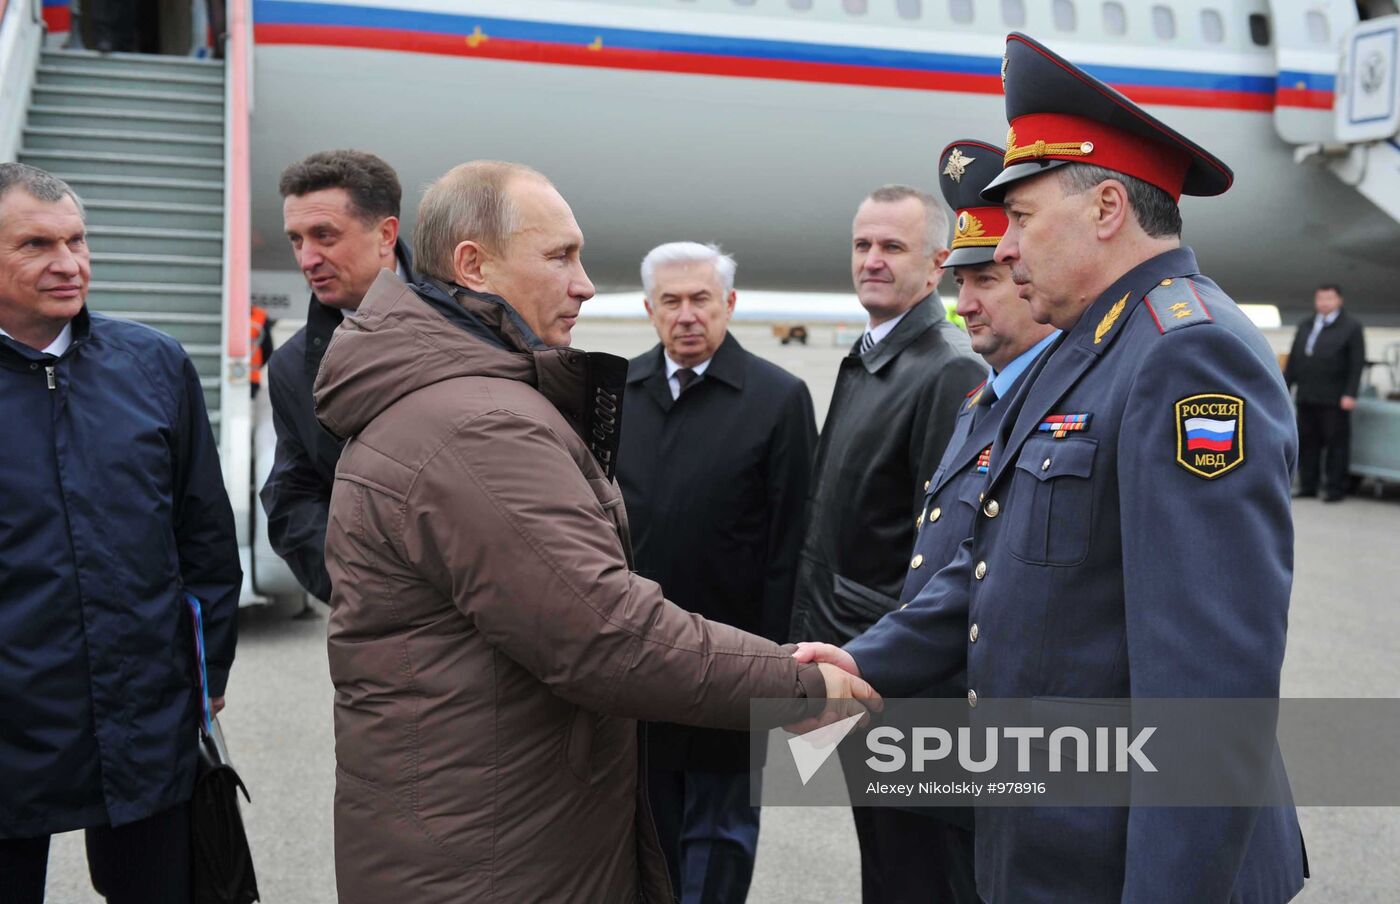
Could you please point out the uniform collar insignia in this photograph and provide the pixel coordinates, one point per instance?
(1110, 318)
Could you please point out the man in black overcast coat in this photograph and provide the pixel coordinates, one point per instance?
(714, 465)
(341, 213)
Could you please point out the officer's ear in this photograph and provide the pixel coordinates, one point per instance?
(1112, 211)
(388, 234)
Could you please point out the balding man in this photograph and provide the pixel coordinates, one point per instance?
(489, 643)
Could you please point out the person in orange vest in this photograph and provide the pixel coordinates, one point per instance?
(260, 345)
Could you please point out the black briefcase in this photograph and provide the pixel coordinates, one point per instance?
(223, 864)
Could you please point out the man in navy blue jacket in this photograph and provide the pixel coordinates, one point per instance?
(112, 512)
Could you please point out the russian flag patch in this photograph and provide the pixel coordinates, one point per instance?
(1210, 434)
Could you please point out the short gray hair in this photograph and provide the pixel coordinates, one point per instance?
(471, 202)
(935, 220)
(38, 184)
(1156, 211)
(688, 253)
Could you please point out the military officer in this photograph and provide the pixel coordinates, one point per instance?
(1085, 575)
(937, 842)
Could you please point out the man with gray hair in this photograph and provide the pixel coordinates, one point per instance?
(114, 520)
(490, 645)
(714, 466)
(892, 412)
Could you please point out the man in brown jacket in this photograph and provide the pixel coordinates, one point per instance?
(490, 645)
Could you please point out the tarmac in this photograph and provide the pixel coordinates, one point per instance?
(1344, 641)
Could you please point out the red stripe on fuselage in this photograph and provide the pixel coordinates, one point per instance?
(711, 64)
(1307, 98)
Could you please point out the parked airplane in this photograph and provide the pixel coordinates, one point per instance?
(759, 124)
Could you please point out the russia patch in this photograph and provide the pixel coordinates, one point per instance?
(1210, 434)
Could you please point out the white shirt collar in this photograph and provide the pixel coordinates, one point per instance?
(56, 347)
(672, 367)
(1327, 319)
(880, 332)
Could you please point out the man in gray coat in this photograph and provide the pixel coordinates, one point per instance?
(896, 401)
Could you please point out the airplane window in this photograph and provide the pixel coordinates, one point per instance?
(800, 4)
(960, 10)
(1163, 23)
(855, 7)
(1064, 15)
(909, 9)
(1259, 29)
(1115, 20)
(1318, 32)
(1212, 26)
(1013, 13)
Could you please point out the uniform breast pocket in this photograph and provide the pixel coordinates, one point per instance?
(1050, 511)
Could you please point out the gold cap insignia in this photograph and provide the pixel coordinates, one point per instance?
(958, 162)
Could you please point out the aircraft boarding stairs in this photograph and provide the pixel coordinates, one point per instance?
(141, 140)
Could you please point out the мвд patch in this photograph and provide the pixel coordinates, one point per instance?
(1210, 434)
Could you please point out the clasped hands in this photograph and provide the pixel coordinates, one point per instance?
(846, 692)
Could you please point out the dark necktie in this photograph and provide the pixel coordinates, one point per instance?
(685, 376)
(985, 402)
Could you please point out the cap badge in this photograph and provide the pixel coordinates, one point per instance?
(958, 163)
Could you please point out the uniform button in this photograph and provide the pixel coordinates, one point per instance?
(905, 606)
(1166, 282)
(919, 521)
(918, 560)
(935, 514)
(926, 485)
(980, 571)
(971, 697)
(981, 496)
(991, 509)
(973, 632)
(1045, 465)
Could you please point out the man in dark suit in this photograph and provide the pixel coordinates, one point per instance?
(1086, 575)
(896, 399)
(1325, 364)
(714, 466)
(341, 213)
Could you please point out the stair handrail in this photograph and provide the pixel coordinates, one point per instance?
(235, 396)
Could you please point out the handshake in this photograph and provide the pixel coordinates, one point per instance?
(846, 692)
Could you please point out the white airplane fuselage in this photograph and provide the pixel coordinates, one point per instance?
(762, 130)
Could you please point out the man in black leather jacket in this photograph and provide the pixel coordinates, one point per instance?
(895, 405)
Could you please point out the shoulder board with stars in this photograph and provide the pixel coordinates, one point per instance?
(1174, 304)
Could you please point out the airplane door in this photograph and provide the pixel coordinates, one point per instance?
(1307, 38)
(1368, 100)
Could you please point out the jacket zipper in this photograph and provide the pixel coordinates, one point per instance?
(53, 380)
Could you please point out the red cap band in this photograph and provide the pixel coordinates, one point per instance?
(979, 227)
(1060, 136)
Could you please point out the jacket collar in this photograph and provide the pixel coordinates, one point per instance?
(920, 317)
(585, 387)
(82, 330)
(726, 366)
(322, 319)
(1066, 360)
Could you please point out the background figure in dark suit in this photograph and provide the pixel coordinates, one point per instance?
(1325, 364)
(113, 25)
(896, 400)
(341, 213)
(714, 466)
